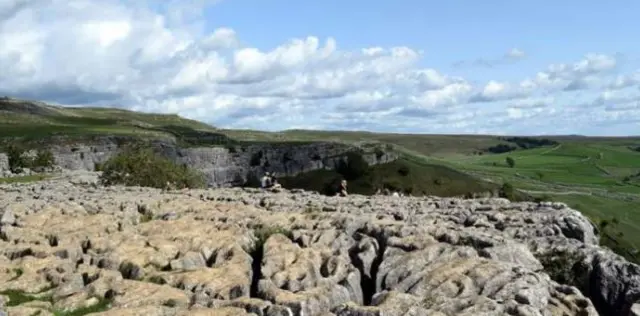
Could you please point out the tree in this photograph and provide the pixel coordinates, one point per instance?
(142, 167)
(510, 162)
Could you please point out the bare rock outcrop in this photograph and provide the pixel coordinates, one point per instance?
(68, 244)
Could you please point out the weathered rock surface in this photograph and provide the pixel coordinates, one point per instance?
(71, 244)
(222, 166)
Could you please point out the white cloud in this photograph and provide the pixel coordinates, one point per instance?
(515, 53)
(156, 56)
(511, 56)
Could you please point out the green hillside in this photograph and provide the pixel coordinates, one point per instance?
(599, 178)
(30, 120)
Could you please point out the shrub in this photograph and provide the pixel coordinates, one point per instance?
(18, 160)
(510, 162)
(142, 167)
(403, 171)
(564, 267)
(354, 167)
(253, 181)
(543, 198)
(507, 191)
(501, 148)
(330, 188)
(43, 159)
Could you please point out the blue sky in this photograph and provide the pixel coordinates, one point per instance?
(499, 67)
(448, 31)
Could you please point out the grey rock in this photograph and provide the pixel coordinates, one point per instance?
(7, 216)
(4, 163)
(190, 261)
(371, 256)
(73, 284)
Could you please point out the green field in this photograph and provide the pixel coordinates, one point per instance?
(599, 176)
(588, 176)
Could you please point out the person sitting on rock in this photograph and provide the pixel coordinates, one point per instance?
(266, 180)
(342, 189)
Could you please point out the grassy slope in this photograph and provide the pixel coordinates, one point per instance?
(34, 121)
(588, 176)
(419, 179)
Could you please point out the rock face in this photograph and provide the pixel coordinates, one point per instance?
(222, 166)
(4, 164)
(69, 244)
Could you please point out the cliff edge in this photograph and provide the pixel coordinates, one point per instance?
(83, 138)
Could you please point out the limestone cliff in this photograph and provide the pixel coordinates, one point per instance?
(222, 166)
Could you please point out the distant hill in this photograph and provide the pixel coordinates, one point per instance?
(35, 120)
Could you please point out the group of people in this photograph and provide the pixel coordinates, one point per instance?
(388, 192)
(269, 181)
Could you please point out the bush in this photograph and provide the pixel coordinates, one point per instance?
(565, 267)
(403, 171)
(354, 167)
(142, 167)
(330, 188)
(529, 143)
(507, 191)
(18, 160)
(510, 162)
(501, 148)
(43, 159)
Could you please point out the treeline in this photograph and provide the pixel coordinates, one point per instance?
(520, 142)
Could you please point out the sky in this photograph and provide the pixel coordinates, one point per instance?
(406, 66)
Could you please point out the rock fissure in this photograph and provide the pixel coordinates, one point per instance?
(257, 253)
